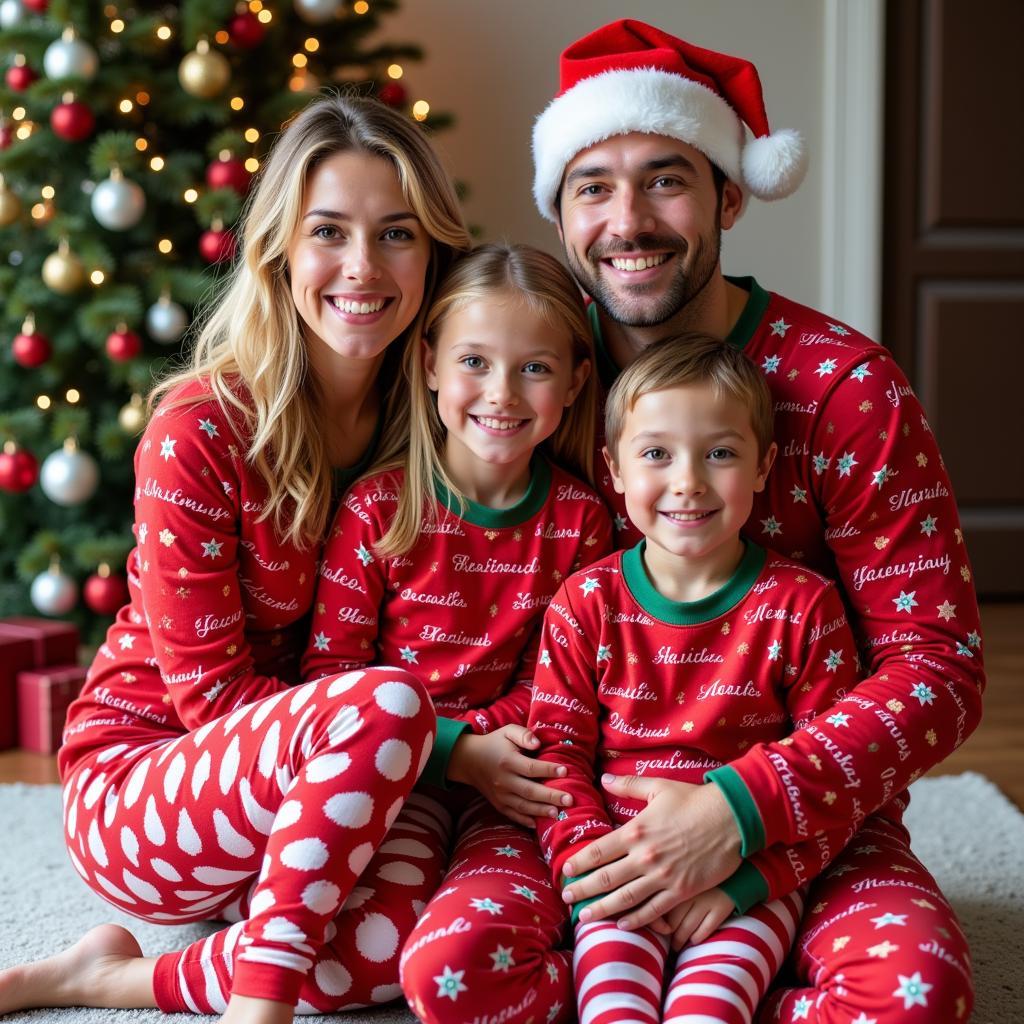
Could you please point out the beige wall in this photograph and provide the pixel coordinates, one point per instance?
(494, 65)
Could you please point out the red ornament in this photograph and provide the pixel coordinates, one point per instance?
(230, 173)
(123, 345)
(20, 77)
(246, 30)
(105, 592)
(217, 245)
(6, 134)
(393, 94)
(18, 469)
(30, 348)
(72, 121)
(39, 6)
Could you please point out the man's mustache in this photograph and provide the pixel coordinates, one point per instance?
(640, 244)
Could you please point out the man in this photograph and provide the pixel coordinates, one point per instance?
(642, 161)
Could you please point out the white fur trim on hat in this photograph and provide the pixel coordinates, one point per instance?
(774, 165)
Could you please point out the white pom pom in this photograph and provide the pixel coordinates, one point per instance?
(774, 166)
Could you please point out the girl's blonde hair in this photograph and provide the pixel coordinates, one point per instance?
(492, 271)
(250, 347)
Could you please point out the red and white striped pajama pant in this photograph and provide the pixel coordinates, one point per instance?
(276, 816)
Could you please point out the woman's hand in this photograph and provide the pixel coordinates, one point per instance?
(684, 842)
(495, 765)
(697, 919)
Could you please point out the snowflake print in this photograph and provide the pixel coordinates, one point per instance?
(860, 372)
(212, 548)
(409, 655)
(923, 693)
(774, 650)
(589, 585)
(905, 602)
(799, 494)
(449, 984)
(826, 367)
(838, 329)
(821, 462)
(838, 719)
(882, 476)
(167, 448)
(928, 525)
(771, 364)
(845, 463)
(912, 990)
(833, 661)
(779, 327)
(208, 428)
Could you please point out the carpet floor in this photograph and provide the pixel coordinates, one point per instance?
(970, 836)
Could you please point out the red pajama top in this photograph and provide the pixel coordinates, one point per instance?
(462, 608)
(859, 493)
(632, 683)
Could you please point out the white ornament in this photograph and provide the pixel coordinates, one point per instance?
(69, 476)
(11, 13)
(166, 321)
(317, 12)
(118, 203)
(70, 57)
(53, 592)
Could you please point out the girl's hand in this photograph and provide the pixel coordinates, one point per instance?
(495, 765)
(697, 919)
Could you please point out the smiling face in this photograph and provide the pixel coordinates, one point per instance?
(358, 260)
(503, 376)
(641, 222)
(687, 462)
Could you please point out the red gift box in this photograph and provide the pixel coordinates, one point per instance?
(16, 653)
(43, 701)
(53, 643)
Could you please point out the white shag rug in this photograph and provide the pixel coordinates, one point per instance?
(967, 833)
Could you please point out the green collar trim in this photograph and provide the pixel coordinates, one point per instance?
(691, 613)
(525, 508)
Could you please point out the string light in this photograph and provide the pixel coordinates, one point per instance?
(360, 7)
(18, 113)
(191, 195)
(300, 60)
(157, 163)
(39, 211)
(255, 6)
(420, 109)
(110, 10)
(163, 32)
(252, 165)
(126, 106)
(73, 395)
(26, 129)
(252, 135)
(43, 401)
(142, 98)
(117, 25)
(141, 144)
(265, 17)
(395, 71)
(165, 245)
(47, 191)
(312, 45)
(237, 103)
(97, 277)
(221, 37)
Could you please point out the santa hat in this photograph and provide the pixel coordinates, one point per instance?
(631, 77)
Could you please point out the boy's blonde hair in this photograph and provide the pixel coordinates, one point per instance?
(491, 271)
(251, 348)
(684, 360)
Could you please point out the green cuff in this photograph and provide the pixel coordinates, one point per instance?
(448, 732)
(577, 907)
(742, 805)
(746, 887)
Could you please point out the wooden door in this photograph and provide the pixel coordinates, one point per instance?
(953, 262)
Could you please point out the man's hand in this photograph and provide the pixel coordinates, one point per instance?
(495, 765)
(684, 842)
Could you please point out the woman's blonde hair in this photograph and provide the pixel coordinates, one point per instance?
(250, 346)
(544, 287)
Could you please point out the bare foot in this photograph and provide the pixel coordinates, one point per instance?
(104, 968)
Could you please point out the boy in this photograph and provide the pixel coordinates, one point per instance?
(670, 659)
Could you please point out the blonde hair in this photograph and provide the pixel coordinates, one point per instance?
(684, 360)
(543, 285)
(250, 347)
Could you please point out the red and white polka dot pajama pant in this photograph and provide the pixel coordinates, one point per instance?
(278, 814)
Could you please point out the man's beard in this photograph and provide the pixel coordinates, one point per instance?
(635, 308)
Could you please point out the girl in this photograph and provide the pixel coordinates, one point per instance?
(443, 560)
(198, 783)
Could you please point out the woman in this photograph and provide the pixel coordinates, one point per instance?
(198, 781)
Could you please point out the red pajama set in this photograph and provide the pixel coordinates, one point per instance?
(859, 493)
(199, 783)
(462, 610)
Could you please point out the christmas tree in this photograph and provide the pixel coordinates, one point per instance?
(129, 135)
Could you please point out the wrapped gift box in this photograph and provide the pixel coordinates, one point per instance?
(53, 643)
(16, 653)
(44, 696)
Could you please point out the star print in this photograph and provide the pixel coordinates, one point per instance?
(841, 943)
(545, 658)
(774, 650)
(780, 327)
(860, 373)
(965, 574)
(620, 522)
(126, 642)
(833, 661)
(502, 958)
(799, 494)
(143, 531)
(947, 611)
(838, 329)
(526, 893)
(409, 655)
(882, 476)
(826, 367)
(846, 462)
(922, 459)
(928, 525)
(321, 641)
(887, 918)
(687, 726)
(821, 462)
(491, 534)
(912, 990)
(167, 448)
(905, 601)
(604, 652)
(507, 851)
(801, 1008)
(974, 639)
(870, 848)
(211, 548)
(838, 719)
(791, 670)
(883, 949)
(363, 555)
(167, 538)
(486, 904)
(771, 364)
(771, 526)
(208, 428)
(925, 694)
(450, 984)
(864, 1019)
(963, 650)
(552, 972)
(589, 585)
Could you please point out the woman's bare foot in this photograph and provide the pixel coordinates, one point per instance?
(104, 968)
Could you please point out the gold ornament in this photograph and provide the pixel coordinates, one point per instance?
(132, 416)
(204, 72)
(10, 204)
(63, 271)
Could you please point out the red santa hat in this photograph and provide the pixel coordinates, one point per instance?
(631, 77)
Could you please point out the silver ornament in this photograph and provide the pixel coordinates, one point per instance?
(166, 321)
(70, 57)
(69, 476)
(54, 592)
(118, 203)
(317, 12)
(11, 13)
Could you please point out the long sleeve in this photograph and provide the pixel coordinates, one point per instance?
(893, 530)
